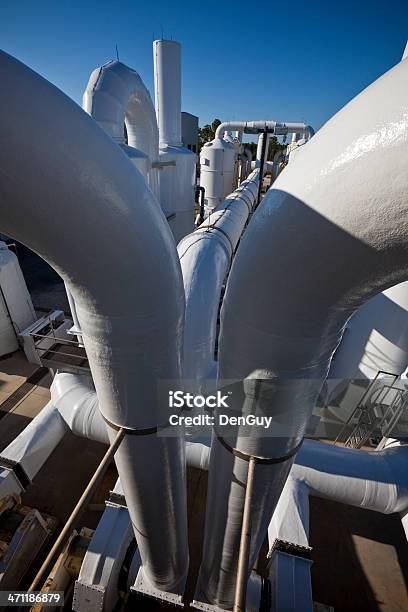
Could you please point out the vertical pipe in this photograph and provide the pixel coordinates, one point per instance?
(244, 546)
(132, 337)
(72, 308)
(167, 76)
(264, 137)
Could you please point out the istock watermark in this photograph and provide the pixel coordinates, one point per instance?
(180, 399)
(187, 402)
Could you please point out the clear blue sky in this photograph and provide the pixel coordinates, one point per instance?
(288, 60)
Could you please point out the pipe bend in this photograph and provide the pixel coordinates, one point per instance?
(329, 234)
(75, 399)
(124, 275)
(116, 95)
(93, 180)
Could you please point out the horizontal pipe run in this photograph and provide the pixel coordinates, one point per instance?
(205, 257)
(272, 127)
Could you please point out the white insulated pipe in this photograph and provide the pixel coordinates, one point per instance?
(376, 338)
(31, 448)
(56, 156)
(376, 480)
(205, 257)
(73, 406)
(277, 158)
(74, 316)
(274, 127)
(260, 146)
(116, 96)
(76, 401)
(167, 74)
(329, 234)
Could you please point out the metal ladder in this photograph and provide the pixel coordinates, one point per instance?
(367, 417)
(393, 416)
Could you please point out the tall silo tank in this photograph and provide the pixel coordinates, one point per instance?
(16, 308)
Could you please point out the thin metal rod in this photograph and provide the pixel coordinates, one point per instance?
(85, 497)
(245, 543)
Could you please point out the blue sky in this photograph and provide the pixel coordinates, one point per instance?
(288, 60)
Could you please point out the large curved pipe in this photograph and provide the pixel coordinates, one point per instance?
(116, 96)
(56, 162)
(255, 127)
(329, 234)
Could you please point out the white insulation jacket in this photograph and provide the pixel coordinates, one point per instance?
(116, 96)
(16, 308)
(177, 177)
(205, 257)
(125, 277)
(331, 233)
(376, 338)
(373, 480)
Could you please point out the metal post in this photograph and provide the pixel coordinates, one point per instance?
(261, 168)
(244, 546)
(85, 497)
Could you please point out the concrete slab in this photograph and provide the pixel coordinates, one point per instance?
(360, 558)
(31, 405)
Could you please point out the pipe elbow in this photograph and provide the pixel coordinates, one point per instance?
(74, 169)
(115, 96)
(76, 400)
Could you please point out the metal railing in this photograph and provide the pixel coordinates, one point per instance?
(362, 421)
(59, 351)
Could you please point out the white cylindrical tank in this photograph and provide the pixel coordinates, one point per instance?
(16, 308)
(177, 189)
(217, 167)
(177, 174)
(167, 86)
